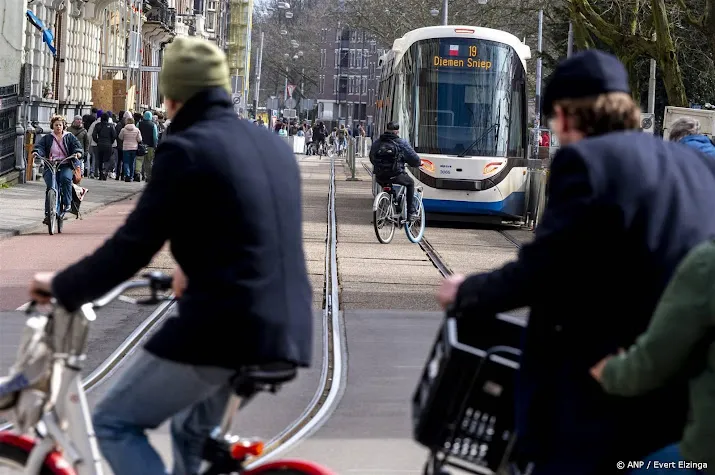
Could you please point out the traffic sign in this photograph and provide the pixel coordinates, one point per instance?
(290, 103)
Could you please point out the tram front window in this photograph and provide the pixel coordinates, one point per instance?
(468, 97)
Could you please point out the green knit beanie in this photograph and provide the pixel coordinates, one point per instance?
(190, 65)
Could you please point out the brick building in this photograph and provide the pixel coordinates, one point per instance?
(347, 83)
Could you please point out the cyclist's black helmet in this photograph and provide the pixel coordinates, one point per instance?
(393, 126)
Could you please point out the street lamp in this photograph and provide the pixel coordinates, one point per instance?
(445, 10)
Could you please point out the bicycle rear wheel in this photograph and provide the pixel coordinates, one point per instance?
(382, 218)
(415, 229)
(52, 215)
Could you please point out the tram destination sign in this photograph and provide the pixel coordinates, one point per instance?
(455, 58)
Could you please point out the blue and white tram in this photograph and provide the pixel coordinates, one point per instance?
(459, 95)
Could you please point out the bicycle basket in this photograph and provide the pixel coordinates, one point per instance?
(461, 407)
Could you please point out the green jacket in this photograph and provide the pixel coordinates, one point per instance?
(685, 316)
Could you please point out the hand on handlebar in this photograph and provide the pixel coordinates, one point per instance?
(41, 287)
(179, 282)
(447, 292)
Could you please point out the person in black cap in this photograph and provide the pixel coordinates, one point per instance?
(624, 207)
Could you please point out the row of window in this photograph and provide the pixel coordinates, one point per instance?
(350, 58)
(346, 34)
(347, 84)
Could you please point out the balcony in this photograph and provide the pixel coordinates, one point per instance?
(160, 22)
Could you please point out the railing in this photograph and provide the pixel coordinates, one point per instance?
(8, 120)
(162, 14)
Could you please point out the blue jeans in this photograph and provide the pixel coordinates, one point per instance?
(670, 454)
(150, 391)
(130, 157)
(64, 179)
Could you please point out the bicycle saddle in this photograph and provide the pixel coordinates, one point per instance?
(263, 377)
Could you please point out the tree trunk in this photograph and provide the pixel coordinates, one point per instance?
(667, 58)
(633, 77)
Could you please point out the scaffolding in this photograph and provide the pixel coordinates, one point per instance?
(239, 47)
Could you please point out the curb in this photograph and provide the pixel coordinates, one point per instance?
(30, 228)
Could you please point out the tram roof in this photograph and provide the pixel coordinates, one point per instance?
(459, 31)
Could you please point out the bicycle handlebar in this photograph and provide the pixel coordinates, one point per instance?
(156, 281)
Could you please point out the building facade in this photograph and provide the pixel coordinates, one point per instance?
(348, 79)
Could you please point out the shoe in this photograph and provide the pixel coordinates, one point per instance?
(46, 220)
(127, 179)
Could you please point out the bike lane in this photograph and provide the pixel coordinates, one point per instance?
(23, 255)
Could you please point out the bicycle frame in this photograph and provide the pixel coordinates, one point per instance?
(55, 167)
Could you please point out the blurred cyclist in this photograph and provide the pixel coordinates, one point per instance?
(244, 288)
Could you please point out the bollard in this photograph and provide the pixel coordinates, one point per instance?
(351, 159)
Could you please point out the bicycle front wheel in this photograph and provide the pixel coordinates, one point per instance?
(383, 219)
(415, 228)
(52, 215)
(13, 460)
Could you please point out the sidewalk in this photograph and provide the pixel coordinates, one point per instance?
(22, 207)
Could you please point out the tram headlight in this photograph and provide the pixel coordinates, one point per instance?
(427, 165)
(491, 167)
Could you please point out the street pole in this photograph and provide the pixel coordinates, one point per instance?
(285, 90)
(302, 84)
(256, 93)
(537, 108)
(569, 45)
(445, 12)
(651, 85)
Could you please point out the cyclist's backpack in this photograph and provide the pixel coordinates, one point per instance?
(387, 159)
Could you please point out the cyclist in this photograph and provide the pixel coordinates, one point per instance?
(342, 139)
(56, 146)
(319, 138)
(244, 288)
(388, 156)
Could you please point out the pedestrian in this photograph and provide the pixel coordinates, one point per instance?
(686, 130)
(104, 135)
(242, 302)
(150, 138)
(77, 129)
(624, 207)
(93, 172)
(131, 137)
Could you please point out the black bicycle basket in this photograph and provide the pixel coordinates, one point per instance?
(463, 407)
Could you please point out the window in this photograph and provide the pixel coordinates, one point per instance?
(321, 84)
(210, 22)
(335, 84)
(337, 58)
(344, 58)
(338, 34)
(371, 69)
(324, 34)
(345, 35)
(352, 58)
(358, 58)
(351, 84)
(343, 85)
(364, 85)
(365, 58)
(323, 57)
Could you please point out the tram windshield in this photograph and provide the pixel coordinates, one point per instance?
(464, 96)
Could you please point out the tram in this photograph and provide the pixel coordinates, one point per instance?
(459, 94)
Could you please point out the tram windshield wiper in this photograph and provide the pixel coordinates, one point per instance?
(466, 150)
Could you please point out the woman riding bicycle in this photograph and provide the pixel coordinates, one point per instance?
(55, 147)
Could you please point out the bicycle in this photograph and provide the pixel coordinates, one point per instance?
(55, 216)
(389, 210)
(47, 397)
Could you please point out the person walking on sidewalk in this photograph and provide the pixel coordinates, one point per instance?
(94, 159)
(241, 303)
(150, 138)
(77, 129)
(105, 136)
(131, 137)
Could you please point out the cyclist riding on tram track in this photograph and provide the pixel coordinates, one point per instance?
(57, 146)
(245, 295)
(388, 156)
